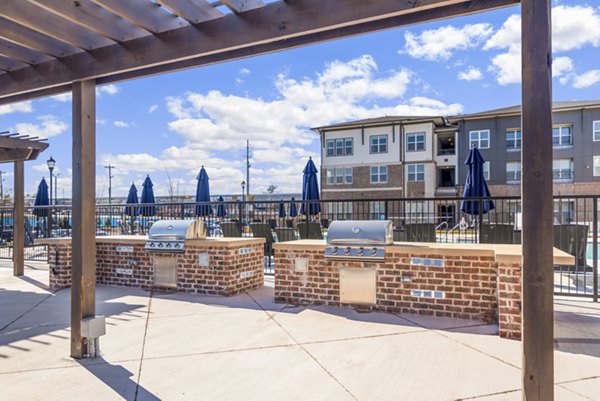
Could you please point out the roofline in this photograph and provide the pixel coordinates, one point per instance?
(365, 124)
(483, 115)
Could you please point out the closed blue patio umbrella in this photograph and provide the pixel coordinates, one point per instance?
(203, 194)
(221, 212)
(147, 198)
(132, 199)
(281, 210)
(475, 186)
(310, 189)
(293, 208)
(41, 199)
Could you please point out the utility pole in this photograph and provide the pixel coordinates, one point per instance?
(248, 169)
(56, 188)
(110, 176)
(2, 187)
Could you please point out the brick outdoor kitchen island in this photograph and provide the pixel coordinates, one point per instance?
(469, 281)
(219, 266)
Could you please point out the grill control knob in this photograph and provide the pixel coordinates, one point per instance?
(347, 251)
(177, 245)
(361, 251)
(374, 252)
(160, 245)
(168, 244)
(334, 251)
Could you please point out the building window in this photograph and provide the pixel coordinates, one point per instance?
(416, 172)
(418, 211)
(561, 136)
(513, 172)
(596, 166)
(596, 129)
(562, 169)
(340, 147)
(339, 210)
(415, 142)
(486, 171)
(481, 139)
(339, 176)
(513, 139)
(379, 143)
(377, 210)
(379, 174)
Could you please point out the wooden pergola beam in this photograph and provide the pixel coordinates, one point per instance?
(95, 18)
(240, 6)
(193, 11)
(19, 219)
(537, 202)
(146, 14)
(83, 286)
(21, 53)
(274, 27)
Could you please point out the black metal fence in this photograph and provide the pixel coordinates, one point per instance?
(414, 220)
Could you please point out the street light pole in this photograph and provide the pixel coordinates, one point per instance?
(50, 163)
(110, 176)
(56, 188)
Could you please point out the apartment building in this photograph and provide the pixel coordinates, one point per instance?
(386, 158)
(423, 157)
(576, 150)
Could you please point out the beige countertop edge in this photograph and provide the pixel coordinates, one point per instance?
(507, 254)
(139, 239)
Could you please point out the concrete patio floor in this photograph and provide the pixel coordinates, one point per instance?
(165, 346)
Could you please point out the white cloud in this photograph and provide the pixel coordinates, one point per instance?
(470, 74)
(439, 44)
(121, 124)
(49, 126)
(507, 66)
(22, 107)
(153, 108)
(587, 79)
(63, 97)
(215, 123)
(244, 71)
(561, 66)
(573, 27)
(110, 89)
(43, 168)
(101, 121)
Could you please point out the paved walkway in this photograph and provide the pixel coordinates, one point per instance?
(182, 347)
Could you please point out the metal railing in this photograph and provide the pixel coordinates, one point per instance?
(438, 219)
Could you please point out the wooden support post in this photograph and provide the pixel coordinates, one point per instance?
(19, 220)
(536, 190)
(83, 286)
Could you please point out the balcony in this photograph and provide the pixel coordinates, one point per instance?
(446, 152)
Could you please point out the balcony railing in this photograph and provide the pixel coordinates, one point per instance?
(446, 152)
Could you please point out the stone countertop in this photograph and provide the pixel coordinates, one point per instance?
(502, 253)
(228, 242)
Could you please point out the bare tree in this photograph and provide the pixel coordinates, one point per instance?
(271, 189)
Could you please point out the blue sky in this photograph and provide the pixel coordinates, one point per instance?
(168, 126)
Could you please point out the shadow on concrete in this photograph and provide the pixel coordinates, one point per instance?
(119, 379)
(578, 332)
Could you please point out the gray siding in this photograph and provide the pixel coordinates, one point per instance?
(582, 152)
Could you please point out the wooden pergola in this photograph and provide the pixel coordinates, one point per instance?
(16, 148)
(49, 47)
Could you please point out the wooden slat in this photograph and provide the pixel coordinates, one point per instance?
(34, 40)
(37, 18)
(19, 220)
(144, 13)
(83, 286)
(22, 54)
(95, 18)
(9, 64)
(271, 28)
(537, 280)
(239, 6)
(193, 11)
(11, 142)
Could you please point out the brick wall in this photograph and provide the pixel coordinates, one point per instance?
(228, 271)
(469, 285)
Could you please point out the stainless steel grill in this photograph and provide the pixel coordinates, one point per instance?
(170, 235)
(358, 239)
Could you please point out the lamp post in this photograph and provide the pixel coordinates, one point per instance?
(56, 188)
(243, 191)
(50, 163)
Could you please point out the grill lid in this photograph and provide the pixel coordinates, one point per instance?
(367, 232)
(177, 230)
